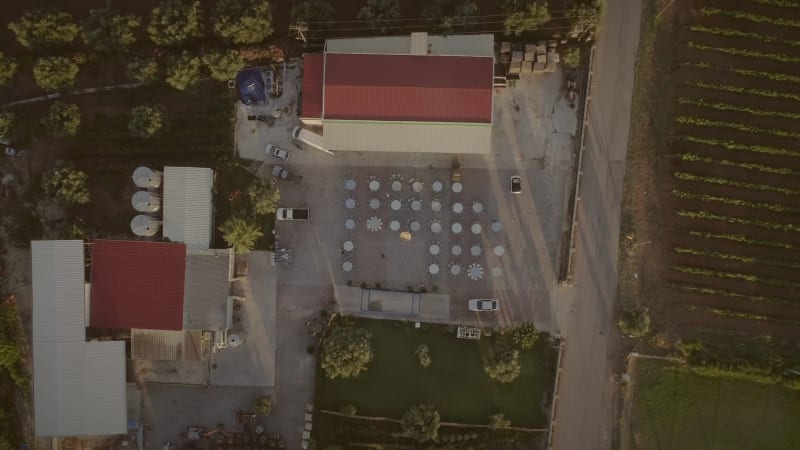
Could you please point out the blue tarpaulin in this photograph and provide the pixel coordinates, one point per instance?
(252, 86)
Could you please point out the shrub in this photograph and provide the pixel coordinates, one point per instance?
(224, 65)
(380, 13)
(183, 71)
(8, 67)
(62, 120)
(526, 336)
(175, 22)
(107, 30)
(241, 233)
(264, 405)
(147, 121)
(525, 15)
(53, 73)
(313, 11)
(7, 120)
(42, 28)
(66, 184)
(498, 421)
(348, 410)
(634, 321)
(242, 21)
(571, 58)
(501, 363)
(423, 355)
(346, 352)
(421, 423)
(264, 196)
(141, 69)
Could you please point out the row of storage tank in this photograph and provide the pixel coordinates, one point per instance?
(147, 201)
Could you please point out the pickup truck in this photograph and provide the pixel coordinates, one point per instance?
(292, 213)
(283, 174)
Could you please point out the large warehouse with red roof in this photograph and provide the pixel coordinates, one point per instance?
(415, 93)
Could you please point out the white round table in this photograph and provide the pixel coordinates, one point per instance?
(477, 207)
(433, 269)
(475, 250)
(414, 226)
(496, 272)
(458, 208)
(436, 206)
(417, 186)
(455, 227)
(499, 250)
(394, 225)
(457, 187)
(416, 205)
(437, 186)
(350, 203)
(396, 205)
(497, 226)
(349, 224)
(374, 224)
(374, 185)
(455, 269)
(476, 228)
(475, 271)
(396, 186)
(347, 266)
(374, 203)
(434, 249)
(349, 184)
(455, 250)
(348, 246)
(436, 227)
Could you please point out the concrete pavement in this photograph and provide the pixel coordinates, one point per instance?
(584, 417)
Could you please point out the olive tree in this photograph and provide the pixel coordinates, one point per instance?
(53, 73)
(224, 65)
(7, 120)
(498, 421)
(526, 336)
(501, 363)
(108, 30)
(423, 355)
(143, 69)
(8, 67)
(241, 233)
(264, 196)
(184, 71)
(264, 405)
(346, 352)
(311, 11)
(446, 14)
(175, 22)
(525, 15)
(66, 184)
(634, 321)
(62, 120)
(242, 21)
(421, 423)
(380, 13)
(147, 121)
(44, 28)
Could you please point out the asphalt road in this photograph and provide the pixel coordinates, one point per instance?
(584, 415)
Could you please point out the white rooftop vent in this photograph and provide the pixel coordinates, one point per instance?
(143, 177)
(234, 340)
(146, 226)
(144, 201)
(419, 43)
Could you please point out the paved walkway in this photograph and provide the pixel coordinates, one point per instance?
(584, 418)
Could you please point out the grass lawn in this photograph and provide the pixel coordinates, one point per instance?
(676, 408)
(455, 382)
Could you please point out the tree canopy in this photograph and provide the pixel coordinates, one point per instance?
(421, 423)
(310, 11)
(8, 67)
(62, 120)
(184, 71)
(53, 73)
(498, 421)
(147, 121)
(175, 22)
(634, 321)
(242, 21)
(447, 14)
(224, 65)
(143, 69)
(44, 28)
(526, 336)
(108, 30)
(525, 15)
(263, 196)
(501, 363)
(7, 120)
(346, 352)
(66, 184)
(380, 13)
(241, 233)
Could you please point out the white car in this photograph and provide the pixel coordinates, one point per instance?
(516, 184)
(277, 152)
(483, 304)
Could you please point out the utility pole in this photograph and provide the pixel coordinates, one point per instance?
(300, 28)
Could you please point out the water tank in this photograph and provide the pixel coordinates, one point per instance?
(234, 340)
(146, 178)
(142, 225)
(144, 201)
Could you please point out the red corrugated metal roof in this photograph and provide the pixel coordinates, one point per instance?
(312, 86)
(408, 88)
(137, 284)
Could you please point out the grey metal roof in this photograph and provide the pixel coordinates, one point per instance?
(453, 45)
(419, 137)
(206, 288)
(78, 386)
(188, 212)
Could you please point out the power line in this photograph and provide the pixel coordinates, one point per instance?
(425, 19)
(470, 24)
(321, 38)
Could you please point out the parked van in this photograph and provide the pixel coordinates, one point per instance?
(309, 138)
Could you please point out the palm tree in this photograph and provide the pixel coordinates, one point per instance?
(241, 233)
